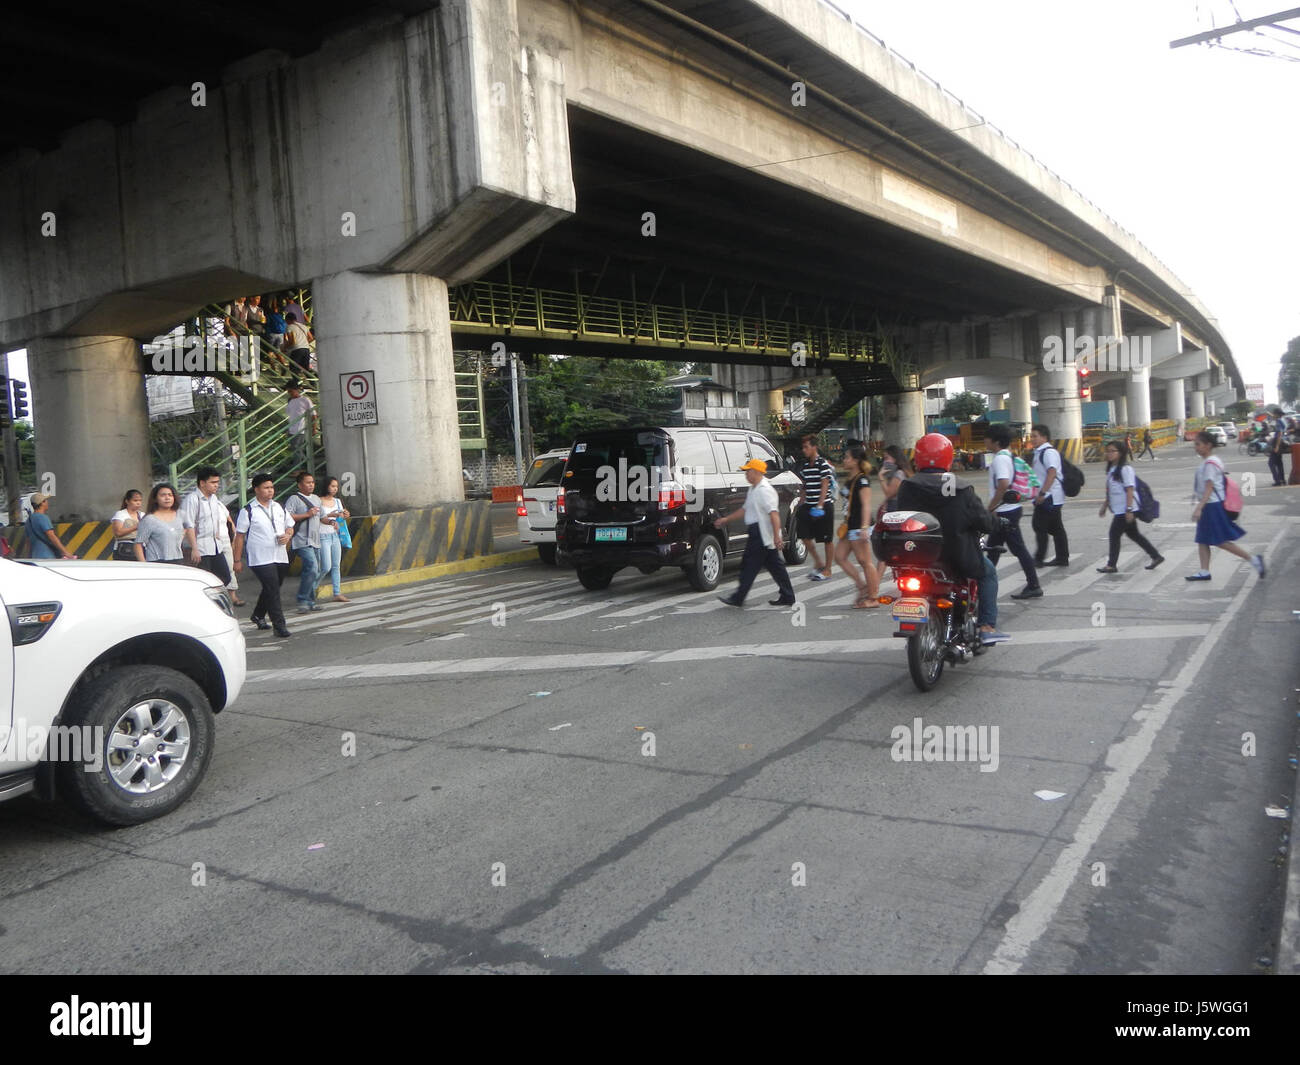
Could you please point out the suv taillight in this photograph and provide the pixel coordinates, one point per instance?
(671, 496)
(559, 501)
(520, 510)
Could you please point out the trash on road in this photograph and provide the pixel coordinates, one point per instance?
(316, 847)
(1276, 811)
(1049, 796)
(556, 728)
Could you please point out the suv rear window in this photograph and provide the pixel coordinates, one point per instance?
(545, 473)
(634, 449)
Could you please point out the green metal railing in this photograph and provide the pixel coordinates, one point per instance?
(469, 411)
(489, 307)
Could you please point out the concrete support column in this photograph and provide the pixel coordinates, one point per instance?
(1197, 405)
(911, 419)
(93, 443)
(1121, 410)
(398, 326)
(1139, 396)
(771, 403)
(1021, 407)
(1058, 408)
(1175, 403)
(997, 403)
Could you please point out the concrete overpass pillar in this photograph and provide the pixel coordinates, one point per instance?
(771, 412)
(911, 419)
(1058, 408)
(93, 440)
(1121, 410)
(1021, 407)
(1175, 403)
(1139, 396)
(398, 326)
(1197, 405)
(997, 403)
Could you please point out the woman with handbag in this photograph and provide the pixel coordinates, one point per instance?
(333, 531)
(126, 523)
(1213, 526)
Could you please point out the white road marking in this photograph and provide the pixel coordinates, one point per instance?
(614, 659)
(1123, 760)
(1143, 583)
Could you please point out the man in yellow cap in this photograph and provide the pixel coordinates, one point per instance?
(762, 512)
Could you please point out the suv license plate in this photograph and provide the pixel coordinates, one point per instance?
(611, 534)
(911, 610)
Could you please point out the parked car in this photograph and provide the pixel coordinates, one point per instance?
(650, 497)
(535, 503)
(1229, 429)
(110, 674)
(1216, 431)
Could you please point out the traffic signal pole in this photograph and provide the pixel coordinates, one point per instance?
(13, 480)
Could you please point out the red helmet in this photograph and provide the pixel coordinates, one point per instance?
(933, 452)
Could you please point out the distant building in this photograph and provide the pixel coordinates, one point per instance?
(705, 402)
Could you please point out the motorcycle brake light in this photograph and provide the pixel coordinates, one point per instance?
(912, 525)
(911, 584)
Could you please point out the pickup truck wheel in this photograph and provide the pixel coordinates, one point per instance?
(154, 734)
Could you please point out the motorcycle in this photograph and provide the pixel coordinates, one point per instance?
(936, 612)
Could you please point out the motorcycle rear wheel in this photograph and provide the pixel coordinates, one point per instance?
(925, 654)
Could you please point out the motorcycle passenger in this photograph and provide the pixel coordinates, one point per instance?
(962, 517)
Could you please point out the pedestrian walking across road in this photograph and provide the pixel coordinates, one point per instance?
(815, 520)
(856, 541)
(305, 508)
(762, 513)
(1213, 526)
(1147, 449)
(1002, 472)
(262, 531)
(204, 517)
(1049, 504)
(1123, 503)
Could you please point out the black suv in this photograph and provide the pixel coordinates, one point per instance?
(651, 497)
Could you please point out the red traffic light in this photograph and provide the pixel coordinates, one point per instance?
(1085, 393)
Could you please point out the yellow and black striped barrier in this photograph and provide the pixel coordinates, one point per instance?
(382, 543)
(1071, 450)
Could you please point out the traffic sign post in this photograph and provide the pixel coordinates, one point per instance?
(360, 408)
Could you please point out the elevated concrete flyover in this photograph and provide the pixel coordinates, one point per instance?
(691, 155)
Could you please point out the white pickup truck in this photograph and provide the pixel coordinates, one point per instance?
(110, 673)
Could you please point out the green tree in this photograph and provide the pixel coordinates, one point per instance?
(964, 406)
(1240, 410)
(568, 396)
(1288, 378)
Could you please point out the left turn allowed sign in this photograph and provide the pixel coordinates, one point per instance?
(360, 405)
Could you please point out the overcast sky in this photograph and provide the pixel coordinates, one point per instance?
(1193, 150)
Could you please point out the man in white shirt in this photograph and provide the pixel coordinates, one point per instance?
(263, 528)
(1050, 502)
(1002, 471)
(203, 515)
(301, 414)
(762, 511)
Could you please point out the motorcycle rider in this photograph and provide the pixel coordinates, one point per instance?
(962, 517)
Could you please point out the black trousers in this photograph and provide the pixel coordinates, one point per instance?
(1275, 467)
(271, 576)
(1048, 521)
(755, 558)
(1015, 543)
(1120, 526)
(216, 564)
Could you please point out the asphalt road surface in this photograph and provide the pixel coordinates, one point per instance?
(503, 772)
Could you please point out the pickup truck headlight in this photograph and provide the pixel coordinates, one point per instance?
(30, 621)
(222, 598)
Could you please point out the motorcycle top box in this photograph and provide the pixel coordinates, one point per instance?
(908, 538)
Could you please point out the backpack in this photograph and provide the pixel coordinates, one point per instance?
(1231, 495)
(1024, 483)
(1148, 505)
(1071, 477)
